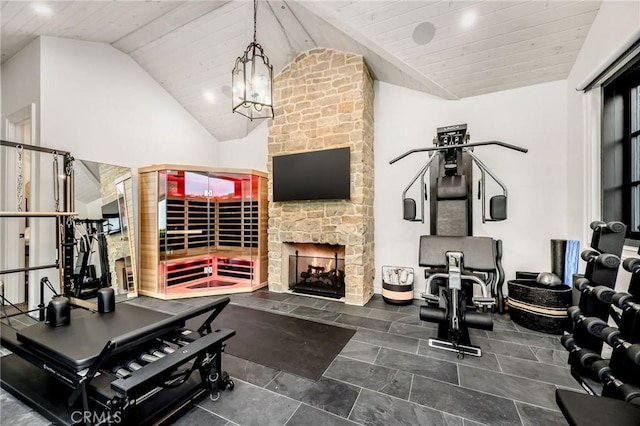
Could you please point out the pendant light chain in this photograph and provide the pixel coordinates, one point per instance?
(255, 18)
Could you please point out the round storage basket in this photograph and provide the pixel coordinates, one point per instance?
(397, 285)
(538, 306)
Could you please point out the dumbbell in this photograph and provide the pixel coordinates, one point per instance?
(625, 301)
(613, 226)
(121, 372)
(147, 358)
(606, 260)
(577, 355)
(157, 353)
(602, 267)
(631, 264)
(132, 365)
(619, 389)
(613, 337)
(593, 325)
(629, 321)
(166, 349)
(601, 292)
(608, 237)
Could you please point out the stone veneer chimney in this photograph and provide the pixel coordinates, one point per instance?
(323, 100)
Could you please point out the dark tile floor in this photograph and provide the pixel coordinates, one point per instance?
(386, 375)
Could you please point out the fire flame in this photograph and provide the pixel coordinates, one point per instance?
(327, 264)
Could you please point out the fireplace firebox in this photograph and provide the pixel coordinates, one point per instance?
(317, 275)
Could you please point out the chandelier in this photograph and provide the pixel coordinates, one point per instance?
(252, 80)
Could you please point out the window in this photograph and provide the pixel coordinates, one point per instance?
(621, 149)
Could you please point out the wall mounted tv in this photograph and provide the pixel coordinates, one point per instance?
(111, 218)
(315, 175)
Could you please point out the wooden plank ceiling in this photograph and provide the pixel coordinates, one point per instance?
(190, 47)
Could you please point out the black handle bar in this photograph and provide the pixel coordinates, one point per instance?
(462, 145)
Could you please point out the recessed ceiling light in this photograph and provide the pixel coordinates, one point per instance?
(468, 19)
(209, 96)
(42, 9)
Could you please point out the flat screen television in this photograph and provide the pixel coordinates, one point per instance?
(315, 175)
(111, 218)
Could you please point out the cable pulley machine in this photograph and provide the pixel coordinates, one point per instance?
(453, 259)
(450, 183)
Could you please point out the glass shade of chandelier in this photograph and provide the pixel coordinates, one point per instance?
(252, 80)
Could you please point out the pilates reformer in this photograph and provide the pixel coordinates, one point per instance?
(129, 366)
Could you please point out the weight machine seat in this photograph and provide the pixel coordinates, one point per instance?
(479, 252)
(588, 410)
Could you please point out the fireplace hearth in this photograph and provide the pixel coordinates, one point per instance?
(317, 275)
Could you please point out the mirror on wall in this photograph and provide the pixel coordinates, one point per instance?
(104, 234)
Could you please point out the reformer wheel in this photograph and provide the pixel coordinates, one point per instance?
(227, 383)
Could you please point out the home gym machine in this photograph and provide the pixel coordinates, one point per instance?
(123, 364)
(85, 281)
(450, 183)
(455, 261)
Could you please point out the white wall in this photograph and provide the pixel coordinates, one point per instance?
(532, 117)
(91, 210)
(20, 88)
(249, 152)
(99, 104)
(21, 81)
(616, 27)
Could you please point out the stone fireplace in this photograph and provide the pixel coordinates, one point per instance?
(323, 100)
(315, 269)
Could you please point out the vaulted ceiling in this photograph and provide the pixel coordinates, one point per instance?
(450, 49)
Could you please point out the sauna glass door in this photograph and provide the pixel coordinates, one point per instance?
(208, 231)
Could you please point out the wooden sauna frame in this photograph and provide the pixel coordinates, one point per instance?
(199, 252)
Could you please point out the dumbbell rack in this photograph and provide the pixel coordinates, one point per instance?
(601, 271)
(619, 376)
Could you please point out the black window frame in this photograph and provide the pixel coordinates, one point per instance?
(616, 155)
